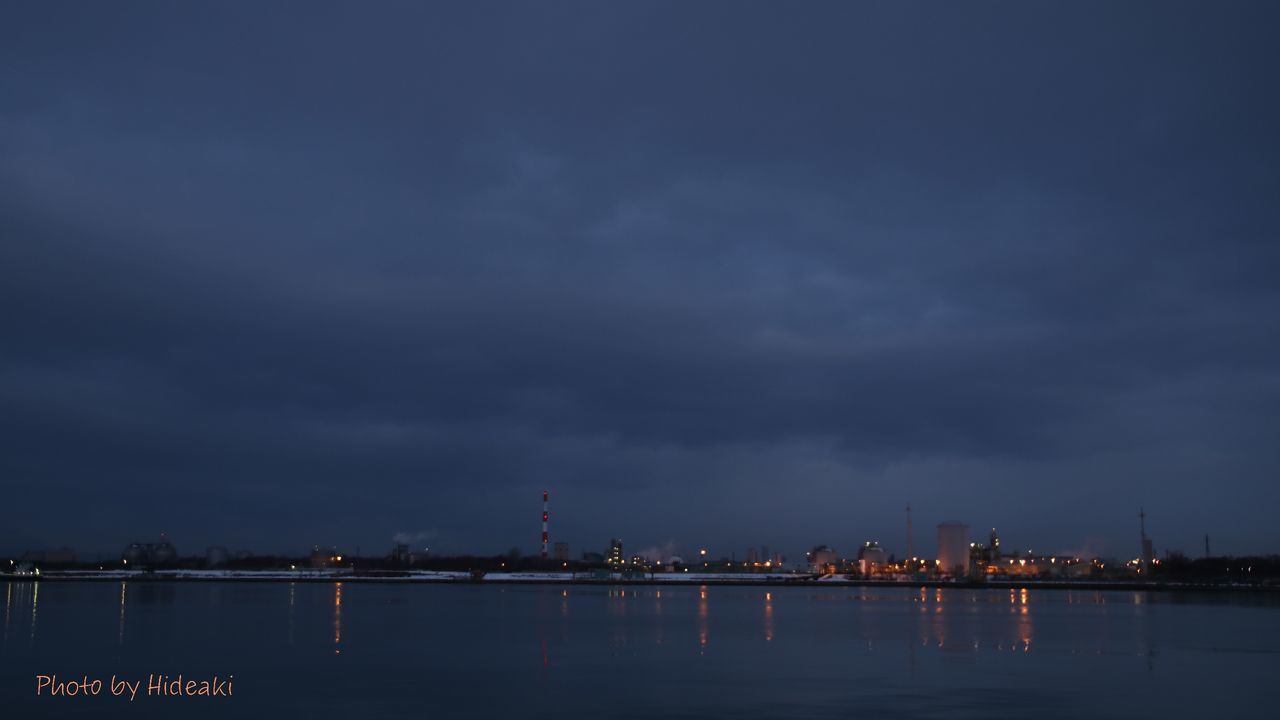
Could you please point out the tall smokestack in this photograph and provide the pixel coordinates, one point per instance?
(544, 524)
(1147, 552)
(910, 551)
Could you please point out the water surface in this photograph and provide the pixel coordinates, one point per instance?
(369, 650)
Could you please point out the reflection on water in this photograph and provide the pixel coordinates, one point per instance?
(768, 617)
(120, 636)
(337, 618)
(951, 620)
(35, 607)
(657, 614)
(1024, 622)
(703, 619)
(618, 602)
(779, 651)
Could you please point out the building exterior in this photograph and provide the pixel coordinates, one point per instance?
(953, 549)
(60, 556)
(216, 556)
(324, 557)
(614, 556)
(149, 554)
(1148, 550)
(822, 559)
(870, 557)
(561, 551)
(400, 553)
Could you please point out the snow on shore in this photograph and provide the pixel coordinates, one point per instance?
(338, 574)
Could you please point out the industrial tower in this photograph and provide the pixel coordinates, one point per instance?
(911, 556)
(544, 524)
(1147, 553)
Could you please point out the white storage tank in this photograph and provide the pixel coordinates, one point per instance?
(953, 549)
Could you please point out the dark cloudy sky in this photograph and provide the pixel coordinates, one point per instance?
(717, 274)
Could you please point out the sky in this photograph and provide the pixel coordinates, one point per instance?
(716, 275)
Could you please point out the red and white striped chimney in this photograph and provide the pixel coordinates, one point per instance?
(544, 524)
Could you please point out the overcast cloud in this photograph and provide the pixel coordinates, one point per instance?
(715, 274)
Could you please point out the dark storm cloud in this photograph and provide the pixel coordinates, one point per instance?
(729, 274)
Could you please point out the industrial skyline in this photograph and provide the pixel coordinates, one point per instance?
(952, 550)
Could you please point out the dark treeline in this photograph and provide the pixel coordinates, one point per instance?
(1176, 567)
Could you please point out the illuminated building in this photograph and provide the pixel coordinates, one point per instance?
(614, 556)
(1148, 552)
(822, 559)
(870, 557)
(324, 557)
(953, 549)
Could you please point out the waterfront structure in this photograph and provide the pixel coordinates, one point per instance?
(614, 556)
(1148, 552)
(1028, 565)
(324, 557)
(400, 553)
(216, 555)
(60, 556)
(953, 549)
(544, 524)
(561, 551)
(149, 554)
(870, 557)
(822, 559)
(911, 553)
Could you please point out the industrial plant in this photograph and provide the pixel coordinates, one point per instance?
(960, 558)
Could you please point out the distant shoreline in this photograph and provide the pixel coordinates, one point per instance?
(660, 580)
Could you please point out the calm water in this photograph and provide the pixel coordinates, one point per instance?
(420, 651)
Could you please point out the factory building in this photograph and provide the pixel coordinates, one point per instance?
(822, 559)
(61, 556)
(324, 557)
(149, 554)
(870, 557)
(953, 549)
(216, 556)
